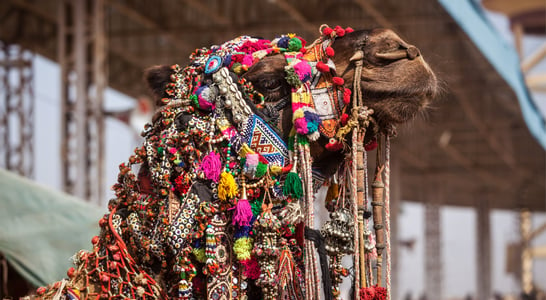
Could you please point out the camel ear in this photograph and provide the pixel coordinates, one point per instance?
(157, 78)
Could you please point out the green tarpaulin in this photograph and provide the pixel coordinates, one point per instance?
(41, 229)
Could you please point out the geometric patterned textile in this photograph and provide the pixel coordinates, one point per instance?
(264, 140)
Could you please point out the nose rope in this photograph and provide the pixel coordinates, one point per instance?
(357, 92)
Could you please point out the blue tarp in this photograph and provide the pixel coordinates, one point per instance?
(504, 58)
(41, 229)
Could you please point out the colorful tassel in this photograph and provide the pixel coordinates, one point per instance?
(243, 248)
(211, 166)
(227, 188)
(256, 207)
(243, 211)
(293, 186)
(211, 266)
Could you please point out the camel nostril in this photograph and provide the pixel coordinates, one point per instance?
(413, 52)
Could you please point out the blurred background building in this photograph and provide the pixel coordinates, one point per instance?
(468, 177)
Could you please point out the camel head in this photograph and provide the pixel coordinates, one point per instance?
(396, 81)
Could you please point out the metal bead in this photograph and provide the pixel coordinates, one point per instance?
(217, 77)
(223, 90)
(228, 103)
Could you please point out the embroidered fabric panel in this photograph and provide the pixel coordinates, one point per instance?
(262, 139)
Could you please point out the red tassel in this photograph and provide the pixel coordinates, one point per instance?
(287, 168)
(347, 96)
(367, 293)
(252, 269)
(338, 80)
(339, 31)
(349, 30)
(330, 51)
(303, 42)
(344, 118)
(262, 159)
(380, 293)
(371, 145)
(322, 67)
(327, 31)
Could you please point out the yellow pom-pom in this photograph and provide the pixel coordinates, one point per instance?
(298, 114)
(275, 170)
(237, 68)
(242, 248)
(199, 254)
(227, 188)
(245, 149)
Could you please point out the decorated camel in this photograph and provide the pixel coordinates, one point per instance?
(218, 203)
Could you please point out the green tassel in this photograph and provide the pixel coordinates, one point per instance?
(256, 206)
(302, 139)
(291, 143)
(194, 100)
(292, 78)
(292, 186)
(261, 169)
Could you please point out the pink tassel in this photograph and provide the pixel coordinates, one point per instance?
(252, 269)
(243, 213)
(211, 166)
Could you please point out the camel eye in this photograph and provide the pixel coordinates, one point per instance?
(271, 84)
(391, 46)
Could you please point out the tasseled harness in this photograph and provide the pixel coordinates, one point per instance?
(222, 208)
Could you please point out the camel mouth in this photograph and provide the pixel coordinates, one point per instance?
(417, 88)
